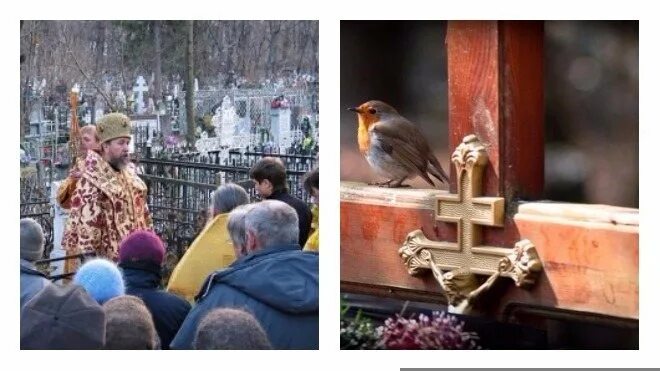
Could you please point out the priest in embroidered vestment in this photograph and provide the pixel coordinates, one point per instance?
(110, 199)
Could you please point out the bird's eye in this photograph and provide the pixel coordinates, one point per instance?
(372, 111)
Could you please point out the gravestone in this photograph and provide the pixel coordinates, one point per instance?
(224, 121)
(144, 126)
(60, 217)
(100, 111)
(280, 124)
(138, 90)
(151, 107)
(121, 99)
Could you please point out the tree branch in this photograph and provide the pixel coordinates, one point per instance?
(98, 89)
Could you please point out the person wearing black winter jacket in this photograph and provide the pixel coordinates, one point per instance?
(141, 255)
(269, 176)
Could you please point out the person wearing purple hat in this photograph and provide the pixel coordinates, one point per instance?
(141, 256)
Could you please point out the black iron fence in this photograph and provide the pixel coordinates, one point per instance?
(35, 204)
(180, 189)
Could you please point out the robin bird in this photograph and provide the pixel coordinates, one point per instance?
(394, 146)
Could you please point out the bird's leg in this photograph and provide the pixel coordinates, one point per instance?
(381, 184)
(397, 183)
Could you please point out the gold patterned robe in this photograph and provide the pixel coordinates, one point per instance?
(68, 186)
(106, 206)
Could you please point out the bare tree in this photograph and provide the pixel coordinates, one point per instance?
(62, 53)
(30, 49)
(158, 93)
(190, 82)
(99, 66)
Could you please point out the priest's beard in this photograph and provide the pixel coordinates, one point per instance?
(117, 163)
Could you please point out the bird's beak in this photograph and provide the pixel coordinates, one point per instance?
(355, 109)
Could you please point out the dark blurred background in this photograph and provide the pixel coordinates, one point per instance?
(591, 100)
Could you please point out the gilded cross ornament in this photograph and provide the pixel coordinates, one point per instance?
(456, 264)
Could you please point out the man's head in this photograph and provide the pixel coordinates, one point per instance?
(226, 328)
(32, 240)
(236, 229)
(114, 133)
(269, 176)
(88, 139)
(270, 223)
(128, 324)
(227, 197)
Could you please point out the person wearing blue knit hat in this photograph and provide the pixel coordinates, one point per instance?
(101, 279)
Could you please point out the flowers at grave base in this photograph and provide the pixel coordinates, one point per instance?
(440, 331)
(279, 102)
(358, 333)
(171, 141)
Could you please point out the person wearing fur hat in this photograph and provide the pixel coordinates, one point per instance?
(62, 317)
(128, 324)
(141, 256)
(110, 199)
(32, 249)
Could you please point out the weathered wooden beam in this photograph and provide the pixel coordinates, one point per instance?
(496, 92)
(589, 252)
(590, 256)
(374, 222)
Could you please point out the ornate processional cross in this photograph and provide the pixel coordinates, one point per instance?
(456, 264)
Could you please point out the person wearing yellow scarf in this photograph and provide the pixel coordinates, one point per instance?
(212, 249)
(312, 243)
(311, 184)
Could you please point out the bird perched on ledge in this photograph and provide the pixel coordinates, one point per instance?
(394, 146)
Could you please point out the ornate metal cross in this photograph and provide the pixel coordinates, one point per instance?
(454, 264)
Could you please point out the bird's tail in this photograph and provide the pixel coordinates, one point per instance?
(436, 170)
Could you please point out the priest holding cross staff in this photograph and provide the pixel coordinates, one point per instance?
(109, 200)
(81, 140)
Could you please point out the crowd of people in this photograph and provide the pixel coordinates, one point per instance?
(248, 281)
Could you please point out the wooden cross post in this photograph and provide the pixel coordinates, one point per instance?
(496, 93)
(484, 224)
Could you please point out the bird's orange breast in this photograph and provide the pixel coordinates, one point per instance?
(364, 122)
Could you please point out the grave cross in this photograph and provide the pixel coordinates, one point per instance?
(140, 88)
(589, 253)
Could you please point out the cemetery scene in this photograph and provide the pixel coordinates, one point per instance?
(150, 154)
(489, 185)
